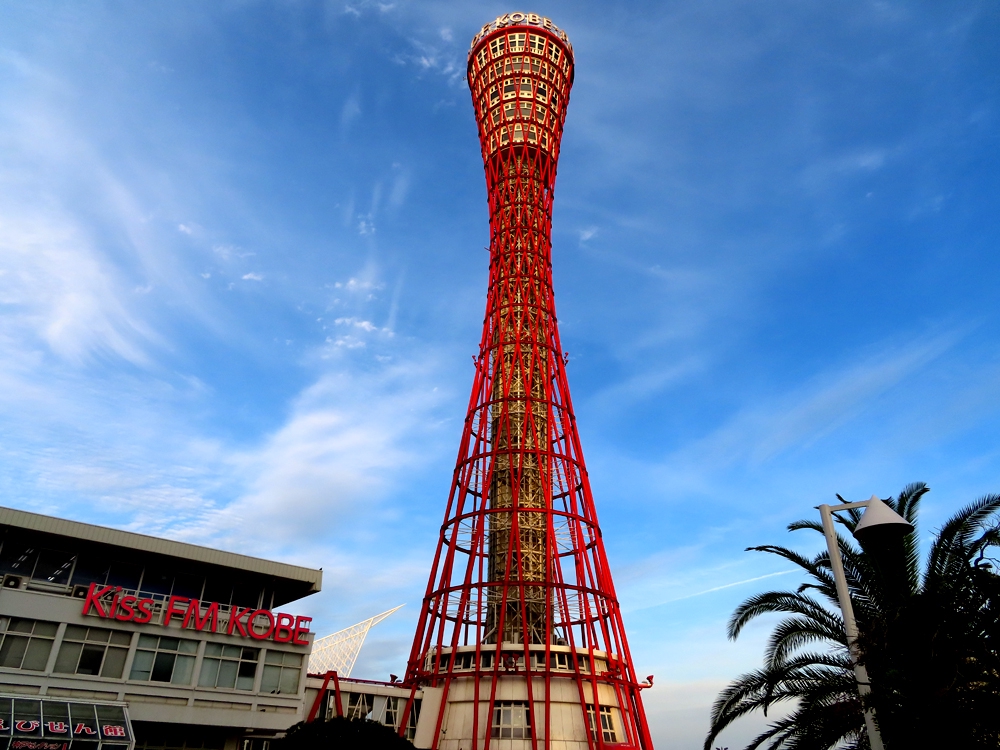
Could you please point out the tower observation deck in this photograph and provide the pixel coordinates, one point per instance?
(520, 629)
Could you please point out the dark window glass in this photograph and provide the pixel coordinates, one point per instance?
(157, 580)
(90, 569)
(17, 558)
(90, 660)
(163, 667)
(125, 575)
(54, 566)
(218, 591)
(188, 585)
(246, 594)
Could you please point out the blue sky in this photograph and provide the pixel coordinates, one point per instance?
(242, 277)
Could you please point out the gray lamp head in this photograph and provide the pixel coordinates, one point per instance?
(879, 517)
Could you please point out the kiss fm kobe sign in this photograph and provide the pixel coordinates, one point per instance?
(259, 624)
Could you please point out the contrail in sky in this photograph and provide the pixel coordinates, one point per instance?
(730, 585)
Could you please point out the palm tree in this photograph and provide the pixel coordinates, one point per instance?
(930, 640)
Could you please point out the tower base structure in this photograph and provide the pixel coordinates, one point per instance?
(553, 708)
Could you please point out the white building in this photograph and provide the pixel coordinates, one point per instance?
(110, 639)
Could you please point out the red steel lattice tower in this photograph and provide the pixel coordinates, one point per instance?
(520, 642)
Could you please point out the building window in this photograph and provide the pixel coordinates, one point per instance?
(164, 660)
(54, 566)
(97, 651)
(26, 643)
(281, 672)
(536, 43)
(359, 706)
(228, 666)
(607, 724)
(511, 720)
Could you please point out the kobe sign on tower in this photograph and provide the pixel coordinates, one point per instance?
(520, 642)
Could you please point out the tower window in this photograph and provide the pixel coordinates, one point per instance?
(497, 46)
(607, 728)
(536, 43)
(511, 720)
(517, 42)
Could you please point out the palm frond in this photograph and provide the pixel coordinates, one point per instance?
(774, 602)
(955, 539)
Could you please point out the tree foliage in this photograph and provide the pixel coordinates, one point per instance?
(340, 733)
(929, 638)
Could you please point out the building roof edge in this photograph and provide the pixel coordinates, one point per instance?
(146, 543)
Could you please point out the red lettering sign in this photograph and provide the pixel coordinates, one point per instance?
(128, 611)
(94, 599)
(253, 619)
(234, 620)
(26, 726)
(301, 630)
(194, 612)
(56, 727)
(283, 632)
(83, 729)
(281, 627)
(114, 730)
(171, 610)
(144, 611)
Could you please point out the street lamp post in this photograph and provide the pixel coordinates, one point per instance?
(878, 521)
